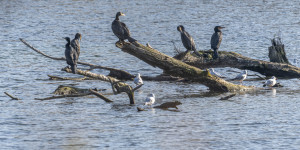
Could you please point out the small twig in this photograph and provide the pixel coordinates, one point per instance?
(12, 97)
(137, 87)
(260, 76)
(227, 97)
(100, 96)
(175, 47)
(63, 96)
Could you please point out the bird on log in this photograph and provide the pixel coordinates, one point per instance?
(271, 82)
(120, 29)
(216, 40)
(71, 55)
(187, 40)
(241, 77)
(138, 80)
(150, 99)
(75, 43)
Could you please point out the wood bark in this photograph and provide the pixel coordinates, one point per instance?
(178, 68)
(277, 52)
(235, 60)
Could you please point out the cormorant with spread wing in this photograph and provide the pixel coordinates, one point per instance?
(75, 43)
(71, 55)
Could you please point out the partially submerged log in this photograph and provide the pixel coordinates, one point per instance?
(69, 91)
(235, 60)
(277, 52)
(176, 67)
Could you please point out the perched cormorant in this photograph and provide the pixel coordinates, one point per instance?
(71, 55)
(187, 40)
(75, 43)
(271, 82)
(216, 40)
(120, 29)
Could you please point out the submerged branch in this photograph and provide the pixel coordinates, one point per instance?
(66, 78)
(63, 96)
(12, 97)
(100, 96)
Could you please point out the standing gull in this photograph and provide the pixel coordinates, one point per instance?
(241, 77)
(150, 99)
(187, 40)
(120, 29)
(271, 82)
(212, 72)
(138, 80)
(216, 40)
(71, 55)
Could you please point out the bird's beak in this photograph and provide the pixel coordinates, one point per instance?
(80, 38)
(222, 27)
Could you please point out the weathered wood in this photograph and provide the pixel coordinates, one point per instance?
(100, 96)
(178, 68)
(63, 96)
(277, 52)
(67, 78)
(235, 60)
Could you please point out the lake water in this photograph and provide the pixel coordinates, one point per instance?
(265, 119)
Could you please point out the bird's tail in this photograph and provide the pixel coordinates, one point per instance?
(264, 85)
(74, 69)
(131, 40)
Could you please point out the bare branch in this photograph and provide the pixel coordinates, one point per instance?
(113, 72)
(63, 96)
(12, 97)
(100, 96)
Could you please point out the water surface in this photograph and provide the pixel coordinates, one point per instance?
(266, 119)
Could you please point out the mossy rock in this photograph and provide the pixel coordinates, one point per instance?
(67, 90)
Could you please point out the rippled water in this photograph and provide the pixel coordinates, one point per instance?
(266, 119)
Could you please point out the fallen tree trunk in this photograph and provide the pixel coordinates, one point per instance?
(178, 68)
(235, 60)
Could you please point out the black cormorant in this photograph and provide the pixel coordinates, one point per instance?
(216, 40)
(75, 43)
(187, 40)
(71, 55)
(120, 29)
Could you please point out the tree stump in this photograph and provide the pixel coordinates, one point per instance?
(277, 52)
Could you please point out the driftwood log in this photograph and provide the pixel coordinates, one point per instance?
(176, 67)
(235, 60)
